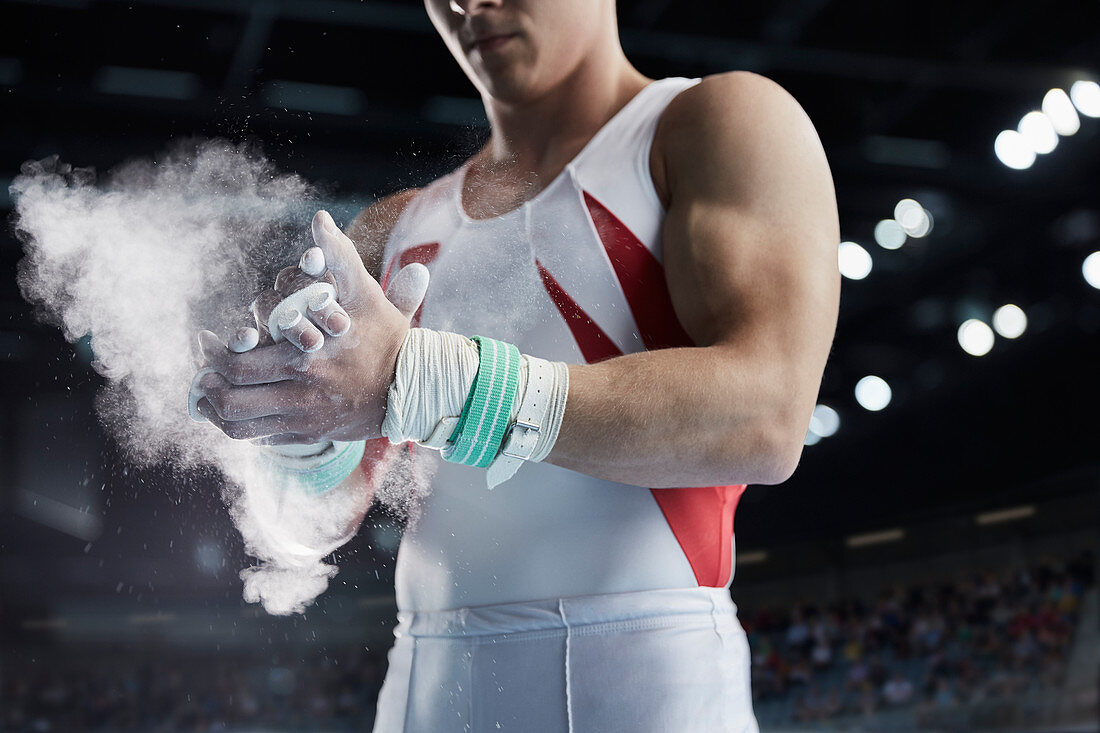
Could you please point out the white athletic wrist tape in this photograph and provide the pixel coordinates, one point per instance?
(435, 372)
(435, 375)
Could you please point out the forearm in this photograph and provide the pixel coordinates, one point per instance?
(682, 417)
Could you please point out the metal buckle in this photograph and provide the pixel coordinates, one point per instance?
(511, 434)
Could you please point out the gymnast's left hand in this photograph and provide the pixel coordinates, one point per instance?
(278, 395)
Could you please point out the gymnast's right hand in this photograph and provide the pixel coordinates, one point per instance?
(301, 309)
(405, 291)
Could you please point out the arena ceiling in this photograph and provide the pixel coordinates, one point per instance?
(908, 98)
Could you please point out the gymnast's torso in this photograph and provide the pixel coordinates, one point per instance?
(575, 275)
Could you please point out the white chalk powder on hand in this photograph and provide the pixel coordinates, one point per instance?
(244, 339)
(178, 243)
(313, 262)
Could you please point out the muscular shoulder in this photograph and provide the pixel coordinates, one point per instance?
(726, 123)
(371, 228)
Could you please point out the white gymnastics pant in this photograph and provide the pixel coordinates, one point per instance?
(664, 661)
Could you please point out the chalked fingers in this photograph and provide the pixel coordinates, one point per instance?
(244, 339)
(233, 403)
(262, 365)
(300, 331)
(263, 427)
(327, 313)
(312, 262)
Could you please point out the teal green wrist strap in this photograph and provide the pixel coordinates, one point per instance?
(480, 430)
(318, 480)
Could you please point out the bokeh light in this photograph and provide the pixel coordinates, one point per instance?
(854, 261)
(825, 421)
(889, 234)
(906, 207)
(915, 220)
(1013, 150)
(1090, 268)
(1061, 112)
(1010, 321)
(1039, 132)
(873, 393)
(975, 337)
(1085, 96)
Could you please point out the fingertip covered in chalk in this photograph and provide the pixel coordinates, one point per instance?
(309, 340)
(328, 314)
(320, 300)
(244, 339)
(335, 321)
(289, 318)
(330, 224)
(196, 393)
(339, 323)
(289, 311)
(209, 343)
(407, 288)
(312, 262)
(300, 331)
(323, 220)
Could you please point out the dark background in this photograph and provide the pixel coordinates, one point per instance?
(364, 99)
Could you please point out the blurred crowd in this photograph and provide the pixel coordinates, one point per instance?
(110, 690)
(925, 651)
(988, 637)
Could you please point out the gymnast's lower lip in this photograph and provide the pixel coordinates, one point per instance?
(492, 43)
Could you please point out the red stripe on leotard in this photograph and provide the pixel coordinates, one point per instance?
(375, 459)
(701, 518)
(642, 279)
(591, 339)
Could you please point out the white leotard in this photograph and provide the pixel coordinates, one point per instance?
(572, 275)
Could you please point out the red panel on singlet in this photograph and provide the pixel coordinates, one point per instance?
(642, 279)
(593, 342)
(376, 452)
(701, 518)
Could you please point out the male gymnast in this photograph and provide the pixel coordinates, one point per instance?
(649, 268)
